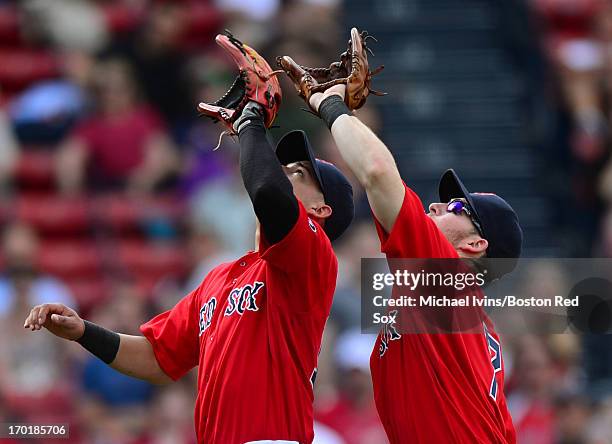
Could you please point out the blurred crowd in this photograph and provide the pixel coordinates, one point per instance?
(575, 36)
(113, 202)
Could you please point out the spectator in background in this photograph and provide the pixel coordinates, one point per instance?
(123, 145)
(23, 381)
(353, 414)
(224, 206)
(159, 61)
(574, 32)
(571, 417)
(206, 251)
(48, 109)
(113, 401)
(360, 242)
(67, 24)
(530, 403)
(8, 147)
(125, 310)
(209, 78)
(23, 285)
(171, 418)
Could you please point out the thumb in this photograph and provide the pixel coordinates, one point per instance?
(59, 319)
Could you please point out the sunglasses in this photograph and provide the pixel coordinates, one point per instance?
(458, 206)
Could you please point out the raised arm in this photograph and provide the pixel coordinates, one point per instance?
(368, 158)
(130, 355)
(268, 187)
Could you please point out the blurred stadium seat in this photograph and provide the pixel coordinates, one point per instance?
(71, 259)
(9, 26)
(156, 260)
(22, 67)
(52, 214)
(34, 170)
(124, 214)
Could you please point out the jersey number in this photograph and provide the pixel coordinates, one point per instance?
(496, 362)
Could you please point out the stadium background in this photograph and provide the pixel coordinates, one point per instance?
(113, 202)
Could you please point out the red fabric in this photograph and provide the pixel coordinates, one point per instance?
(435, 387)
(117, 144)
(254, 327)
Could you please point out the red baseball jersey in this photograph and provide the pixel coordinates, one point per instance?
(254, 327)
(436, 388)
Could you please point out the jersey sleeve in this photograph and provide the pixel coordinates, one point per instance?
(414, 234)
(174, 336)
(306, 256)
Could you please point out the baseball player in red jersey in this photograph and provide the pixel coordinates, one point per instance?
(430, 388)
(253, 326)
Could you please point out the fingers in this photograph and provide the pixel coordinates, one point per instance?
(31, 320)
(35, 321)
(40, 313)
(59, 319)
(58, 308)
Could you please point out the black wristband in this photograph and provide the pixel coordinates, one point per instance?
(100, 342)
(331, 108)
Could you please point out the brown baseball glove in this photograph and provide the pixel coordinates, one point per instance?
(352, 70)
(256, 82)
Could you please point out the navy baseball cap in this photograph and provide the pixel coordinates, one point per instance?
(498, 221)
(337, 191)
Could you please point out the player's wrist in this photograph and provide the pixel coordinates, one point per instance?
(100, 342)
(332, 107)
(252, 113)
(315, 101)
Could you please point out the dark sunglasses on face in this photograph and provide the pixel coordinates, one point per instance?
(458, 206)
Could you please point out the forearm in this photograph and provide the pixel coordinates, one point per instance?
(130, 355)
(135, 358)
(366, 155)
(268, 187)
(373, 165)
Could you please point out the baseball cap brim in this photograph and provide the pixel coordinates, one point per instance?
(295, 147)
(451, 187)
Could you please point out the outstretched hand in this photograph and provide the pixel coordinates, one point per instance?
(60, 320)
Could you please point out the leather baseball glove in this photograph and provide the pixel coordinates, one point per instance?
(256, 82)
(352, 70)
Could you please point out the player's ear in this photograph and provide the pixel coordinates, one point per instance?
(474, 245)
(323, 211)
